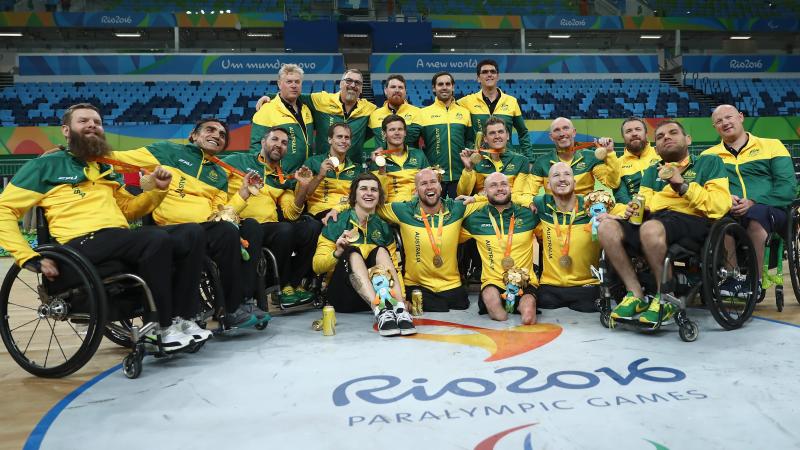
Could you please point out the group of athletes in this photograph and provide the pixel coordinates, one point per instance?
(309, 192)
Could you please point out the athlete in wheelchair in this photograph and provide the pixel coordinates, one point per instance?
(52, 322)
(683, 242)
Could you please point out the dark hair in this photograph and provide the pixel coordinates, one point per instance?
(281, 129)
(440, 74)
(365, 176)
(202, 122)
(487, 62)
(632, 119)
(669, 121)
(336, 125)
(492, 120)
(397, 77)
(392, 118)
(66, 119)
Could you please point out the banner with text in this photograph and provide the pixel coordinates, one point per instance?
(742, 63)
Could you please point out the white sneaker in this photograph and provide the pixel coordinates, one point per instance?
(191, 328)
(172, 338)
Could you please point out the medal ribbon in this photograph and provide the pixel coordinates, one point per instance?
(225, 165)
(565, 243)
(120, 166)
(499, 235)
(281, 177)
(358, 226)
(436, 250)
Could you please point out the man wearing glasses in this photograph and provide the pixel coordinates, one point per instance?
(342, 107)
(491, 101)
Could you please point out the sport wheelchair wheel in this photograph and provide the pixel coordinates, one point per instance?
(793, 248)
(52, 329)
(719, 267)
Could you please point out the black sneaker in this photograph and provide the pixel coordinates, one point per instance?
(732, 287)
(404, 321)
(387, 323)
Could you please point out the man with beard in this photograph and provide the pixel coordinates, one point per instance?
(198, 191)
(400, 161)
(446, 130)
(88, 209)
(346, 106)
(350, 247)
(762, 183)
(638, 156)
(287, 111)
(586, 167)
(289, 235)
(394, 88)
(333, 172)
(490, 102)
(567, 248)
(504, 233)
(681, 206)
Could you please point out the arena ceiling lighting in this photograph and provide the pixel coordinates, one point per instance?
(444, 36)
(650, 36)
(355, 35)
(740, 38)
(10, 34)
(559, 36)
(128, 35)
(259, 34)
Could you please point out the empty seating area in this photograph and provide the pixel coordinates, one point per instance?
(493, 8)
(756, 96)
(725, 8)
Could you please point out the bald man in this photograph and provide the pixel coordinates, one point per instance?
(504, 234)
(762, 182)
(567, 248)
(586, 168)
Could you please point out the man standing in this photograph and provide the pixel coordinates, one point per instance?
(585, 166)
(287, 111)
(504, 233)
(400, 162)
(762, 182)
(490, 101)
(681, 207)
(394, 88)
(446, 130)
(287, 237)
(637, 156)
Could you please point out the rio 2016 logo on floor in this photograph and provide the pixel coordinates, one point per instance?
(528, 443)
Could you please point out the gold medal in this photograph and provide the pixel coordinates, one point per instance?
(438, 261)
(334, 161)
(254, 190)
(353, 236)
(475, 158)
(507, 263)
(380, 161)
(600, 153)
(666, 172)
(147, 182)
(565, 261)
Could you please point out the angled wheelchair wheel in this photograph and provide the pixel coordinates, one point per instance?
(211, 295)
(52, 329)
(721, 268)
(793, 249)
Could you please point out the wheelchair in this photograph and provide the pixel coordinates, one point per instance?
(696, 270)
(779, 245)
(74, 312)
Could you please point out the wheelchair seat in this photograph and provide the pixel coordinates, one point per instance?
(684, 248)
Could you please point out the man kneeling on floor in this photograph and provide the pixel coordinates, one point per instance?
(358, 248)
(683, 194)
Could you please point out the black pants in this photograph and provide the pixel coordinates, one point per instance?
(341, 294)
(188, 252)
(442, 301)
(147, 251)
(250, 230)
(576, 298)
(283, 238)
(450, 189)
(224, 248)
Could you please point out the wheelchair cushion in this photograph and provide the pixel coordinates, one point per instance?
(684, 248)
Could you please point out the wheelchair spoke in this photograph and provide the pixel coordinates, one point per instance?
(26, 323)
(36, 291)
(53, 329)
(33, 333)
(49, 344)
(22, 306)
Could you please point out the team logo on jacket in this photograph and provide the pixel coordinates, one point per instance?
(376, 235)
(459, 116)
(689, 175)
(213, 176)
(581, 166)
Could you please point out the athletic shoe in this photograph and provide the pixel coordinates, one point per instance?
(651, 315)
(629, 307)
(404, 321)
(172, 338)
(303, 294)
(732, 287)
(251, 306)
(288, 296)
(191, 328)
(240, 319)
(387, 323)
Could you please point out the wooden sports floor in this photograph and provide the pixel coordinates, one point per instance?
(26, 398)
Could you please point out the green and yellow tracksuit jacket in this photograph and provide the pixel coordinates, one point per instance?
(376, 234)
(507, 109)
(264, 207)
(632, 167)
(708, 195)
(327, 109)
(334, 189)
(419, 253)
(77, 197)
(401, 168)
(515, 166)
(585, 167)
(445, 131)
(407, 111)
(198, 186)
(762, 171)
(478, 226)
(553, 228)
(276, 114)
